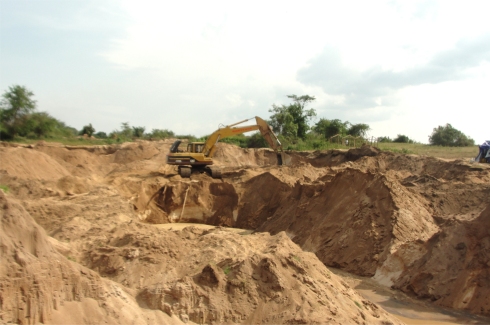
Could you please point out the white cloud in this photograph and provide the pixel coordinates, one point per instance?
(188, 66)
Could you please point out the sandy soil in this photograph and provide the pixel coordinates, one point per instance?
(94, 235)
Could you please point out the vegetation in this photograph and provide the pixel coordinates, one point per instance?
(255, 140)
(4, 188)
(449, 136)
(100, 135)
(292, 121)
(88, 130)
(330, 128)
(384, 139)
(401, 138)
(430, 150)
(16, 105)
(358, 130)
(20, 122)
(138, 131)
(161, 134)
(227, 270)
(18, 117)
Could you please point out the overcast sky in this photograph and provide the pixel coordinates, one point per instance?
(403, 67)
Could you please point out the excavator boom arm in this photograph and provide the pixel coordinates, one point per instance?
(230, 130)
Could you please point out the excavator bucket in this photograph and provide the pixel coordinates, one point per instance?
(273, 141)
(283, 159)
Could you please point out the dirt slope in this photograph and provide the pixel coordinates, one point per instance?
(77, 245)
(418, 224)
(459, 275)
(39, 285)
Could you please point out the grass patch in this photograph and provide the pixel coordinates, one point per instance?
(71, 258)
(358, 304)
(431, 151)
(227, 270)
(4, 188)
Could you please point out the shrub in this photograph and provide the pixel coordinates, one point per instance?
(450, 137)
(401, 138)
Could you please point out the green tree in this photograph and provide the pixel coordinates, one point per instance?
(42, 124)
(61, 129)
(329, 128)
(384, 139)
(256, 140)
(89, 130)
(16, 104)
(126, 130)
(401, 138)
(449, 136)
(161, 134)
(138, 131)
(358, 130)
(101, 135)
(292, 120)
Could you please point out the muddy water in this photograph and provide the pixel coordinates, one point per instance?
(407, 309)
(182, 225)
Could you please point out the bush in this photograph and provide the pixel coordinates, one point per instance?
(384, 139)
(191, 137)
(449, 137)
(100, 135)
(88, 130)
(239, 140)
(161, 134)
(402, 139)
(256, 141)
(138, 131)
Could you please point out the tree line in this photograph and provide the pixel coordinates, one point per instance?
(292, 123)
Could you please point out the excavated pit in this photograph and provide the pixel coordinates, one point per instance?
(418, 224)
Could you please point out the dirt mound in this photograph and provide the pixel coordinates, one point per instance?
(364, 151)
(459, 275)
(395, 217)
(30, 164)
(354, 222)
(258, 279)
(39, 285)
(170, 272)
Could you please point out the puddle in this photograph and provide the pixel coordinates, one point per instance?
(405, 308)
(182, 225)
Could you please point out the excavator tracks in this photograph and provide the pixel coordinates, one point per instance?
(185, 172)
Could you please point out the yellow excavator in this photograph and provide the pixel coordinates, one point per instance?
(199, 155)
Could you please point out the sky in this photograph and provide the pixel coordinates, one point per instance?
(402, 67)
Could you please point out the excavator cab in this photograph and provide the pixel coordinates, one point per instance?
(195, 147)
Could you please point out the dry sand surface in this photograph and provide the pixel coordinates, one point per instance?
(93, 235)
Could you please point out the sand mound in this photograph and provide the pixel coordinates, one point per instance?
(39, 285)
(30, 164)
(412, 222)
(457, 276)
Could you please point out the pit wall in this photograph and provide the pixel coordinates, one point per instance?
(362, 220)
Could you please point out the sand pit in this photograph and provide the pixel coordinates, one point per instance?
(119, 226)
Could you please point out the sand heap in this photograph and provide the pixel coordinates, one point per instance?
(419, 224)
(76, 245)
(40, 285)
